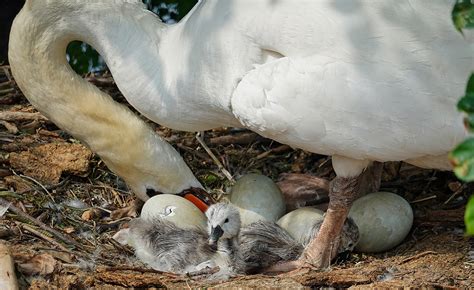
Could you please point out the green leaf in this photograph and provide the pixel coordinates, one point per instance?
(462, 158)
(463, 15)
(470, 85)
(209, 179)
(469, 122)
(466, 103)
(469, 216)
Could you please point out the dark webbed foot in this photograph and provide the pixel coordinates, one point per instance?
(302, 190)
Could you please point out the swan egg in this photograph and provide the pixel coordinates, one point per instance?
(258, 198)
(299, 221)
(174, 208)
(384, 220)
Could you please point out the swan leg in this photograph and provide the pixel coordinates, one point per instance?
(323, 248)
(343, 191)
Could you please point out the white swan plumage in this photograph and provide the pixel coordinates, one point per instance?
(359, 80)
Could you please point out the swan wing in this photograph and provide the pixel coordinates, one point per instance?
(354, 108)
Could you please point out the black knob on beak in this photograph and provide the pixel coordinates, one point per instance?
(216, 233)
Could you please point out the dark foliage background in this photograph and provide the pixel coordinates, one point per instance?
(8, 11)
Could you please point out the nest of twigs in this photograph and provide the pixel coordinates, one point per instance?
(59, 226)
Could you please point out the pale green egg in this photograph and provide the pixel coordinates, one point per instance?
(300, 221)
(258, 198)
(384, 220)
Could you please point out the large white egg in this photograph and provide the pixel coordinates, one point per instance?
(174, 208)
(384, 220)
(300, 221)
(258, 198)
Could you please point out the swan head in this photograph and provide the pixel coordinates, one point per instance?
(223, 222)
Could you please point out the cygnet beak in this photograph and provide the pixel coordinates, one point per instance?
(215, 235)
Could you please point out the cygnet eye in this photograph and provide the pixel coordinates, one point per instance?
(226, 220)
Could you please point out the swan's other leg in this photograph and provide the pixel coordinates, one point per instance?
(371, 178)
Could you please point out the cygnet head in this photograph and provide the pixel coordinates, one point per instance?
(349, 236)
(223, 222)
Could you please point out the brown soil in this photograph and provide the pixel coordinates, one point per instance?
(50, 176)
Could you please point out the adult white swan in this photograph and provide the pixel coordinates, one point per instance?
(359, 80)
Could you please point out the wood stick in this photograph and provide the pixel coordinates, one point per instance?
(214, 158)
(448, 216)
(6, 71)
(455, 194)
(11, 128)
(44, 237)
(417, 256)
(7, 269)
(43, 226)
(6, 91)
(424, 199)
(102, 269)
(279, 149)
(21, 116)
(37, 183)
(242, 139)
(205, 271)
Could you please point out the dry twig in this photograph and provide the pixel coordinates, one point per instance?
(214, 158)
(456, 193)
(241, 139)
(279, 149)
(424, 199)
(102, 269)
(11, 128)
(21, 116)
(43, 236)
(37, 183)
(417, 256)
(205, 271)
(43, 226)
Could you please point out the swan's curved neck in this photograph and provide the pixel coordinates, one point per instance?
(38, 41)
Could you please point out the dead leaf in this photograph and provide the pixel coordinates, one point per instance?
(69, 230)
(60, 255)
(454, 186)
(91, 214)
(42, 264)
(129, 211)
